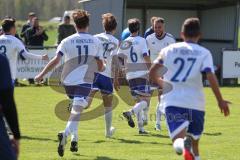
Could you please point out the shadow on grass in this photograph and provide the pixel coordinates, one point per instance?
(105, 158)
(38, 139)
(153, 135)
(213, 134)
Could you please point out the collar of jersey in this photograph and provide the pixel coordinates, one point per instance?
(83, 33)
(161, 37)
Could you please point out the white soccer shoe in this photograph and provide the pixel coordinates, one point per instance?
(111, 133)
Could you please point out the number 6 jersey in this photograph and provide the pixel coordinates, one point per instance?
(134, 49)
(185, 63)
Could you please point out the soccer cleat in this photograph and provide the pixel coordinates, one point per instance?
(128, 116)
(110, 134)
(158, 127)
(187, 154)
(143, 132)
(62, 142)
(74, 146)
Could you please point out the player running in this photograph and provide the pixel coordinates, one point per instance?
(156, 42)
(11, 47)
(82, 54)
(104, 80)
(137, 61)
(185, 104)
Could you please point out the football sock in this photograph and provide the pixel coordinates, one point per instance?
(139, 107)
(108, 119)
(158, 115)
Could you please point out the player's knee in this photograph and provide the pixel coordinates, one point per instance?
(79, 103)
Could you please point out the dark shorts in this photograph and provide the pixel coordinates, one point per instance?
(103, 83)
(180, 118)
(81, 90)
(139, 87)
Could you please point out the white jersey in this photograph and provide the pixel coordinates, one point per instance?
(79, 50)
(11, 47)
(134, 56)
(155, 45)
(185, 63)
(110, 48)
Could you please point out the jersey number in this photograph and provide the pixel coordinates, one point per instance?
(3, 50)
(80, 54)
(105, 47)
(133, 55)
(182, 63)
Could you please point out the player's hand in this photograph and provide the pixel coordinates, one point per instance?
(15, 145)
(116, 85)
(45, 57)
(38, 78)
(223, 105)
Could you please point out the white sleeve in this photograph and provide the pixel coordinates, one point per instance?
(100, 50)
(61, 49)
(207, 64)
(24, 53)
(160, 58)
(144, 48)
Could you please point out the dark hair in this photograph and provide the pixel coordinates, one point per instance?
(191, 27)
(66, 17)
(159, 20)
(109, 22)
(7, 24)
(134, 25)
(81, 18)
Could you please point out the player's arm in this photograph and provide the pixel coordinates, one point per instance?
(153, 73)
(24, 54)
(146, 54)
(207, 67)
(52, 64)
(223, 105)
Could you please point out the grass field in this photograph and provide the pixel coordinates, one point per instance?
(39, 126)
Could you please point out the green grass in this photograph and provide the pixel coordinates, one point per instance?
(39, 126)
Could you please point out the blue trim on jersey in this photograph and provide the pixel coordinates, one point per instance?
(179, 118)
(161, 37)
(21, 54)
(103, 83)
(97, 58)
(207, 70)
(160, 61)
(145, 54)
(60, 53)
(83, 33)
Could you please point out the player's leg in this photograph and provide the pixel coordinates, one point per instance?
(177, 123)
(80, 94)
(105, 85)
(195, 130)
(107, 101)
(139, 91)
(159, 113)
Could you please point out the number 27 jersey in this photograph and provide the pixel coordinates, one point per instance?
(185, 63)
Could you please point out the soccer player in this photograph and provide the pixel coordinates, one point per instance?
(104, 80)
(150, 30)
(8, 150)
(138, 62)
(156, 42)
(79, 51)
(185, 104)
(11, 47)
